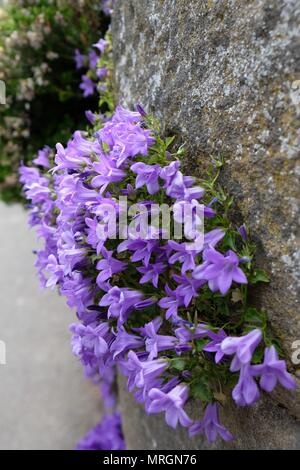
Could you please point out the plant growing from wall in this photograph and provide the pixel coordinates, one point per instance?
(173, 315)
(176, 321)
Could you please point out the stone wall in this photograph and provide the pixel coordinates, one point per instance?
(224, 77)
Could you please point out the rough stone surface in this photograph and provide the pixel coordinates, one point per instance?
(224, 76)
(45, 403)
(264, 426)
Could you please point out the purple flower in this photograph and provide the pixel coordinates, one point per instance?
(141, 374)
(101, 72)
(213, 237)
(55, 270)
(95, 339)
(169, 172)
(101, 45)
(140, 230)
(125, 341)
(79, 293)
(185, 334)
(38, 192)
(81, 146)
(79, 59)
(178, 185)
(125, 140)
(196, 192)
(187, 288)
(172, 403)
(190, 214)
(156, 343)
(66, 159)
(91, 117)
(91, 341)
(107, 6)
(108, 266)
(140, 109)
(183, 256)
(246, 391)
(147, 175)
(171, 303)
(243, 232)
(107, 171)
(107, 435)
(215, 344)
(129, 190)
(42, 158)
(103, 226)
(87, 86)
(211, 425)
(242, 347)
(93, 60)
(143, 249)
(69, 253)
(94, 238)
(28, 175)
(273, 370)
(151, 273)
(78, 330)
(120, 302)
(219, 270)
(125, 115)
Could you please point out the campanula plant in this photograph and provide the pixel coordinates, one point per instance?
(169, 310)
(176, 321)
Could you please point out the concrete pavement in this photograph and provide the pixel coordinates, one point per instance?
(44, 401)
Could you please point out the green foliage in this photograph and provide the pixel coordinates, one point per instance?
(259, 275)
(44, 104)
(200, 389)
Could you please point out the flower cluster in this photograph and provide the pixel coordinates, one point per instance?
(107, 435)
(175, 320)
(97, 62)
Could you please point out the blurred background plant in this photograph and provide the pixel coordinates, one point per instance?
(44, 103)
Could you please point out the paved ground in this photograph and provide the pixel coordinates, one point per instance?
(44, 401)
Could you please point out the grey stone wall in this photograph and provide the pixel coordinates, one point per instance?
(224, 76)
(263, 426)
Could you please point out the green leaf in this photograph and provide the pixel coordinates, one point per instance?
(229, 240)
(178, 363)
(169, 141)
(95, 258)
(255, 317)
(258, 355)
(200, 343)
(259, 275)
(105, 147)
(181, 150)
(202, 391)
